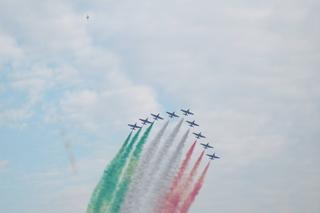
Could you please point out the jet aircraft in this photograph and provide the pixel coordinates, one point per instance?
(199, 135)
(213, 156)
(206, 146)
(134, 126)
(192, 123)
(156, 117)
(145, 121)
(172, 114)
(186, 112)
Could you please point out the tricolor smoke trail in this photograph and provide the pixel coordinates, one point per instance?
(102, 195)
(196, 189)
(157, 162)
(172, 199)
(122, 188)
(167, 175)
(150, 176)
(136, 189)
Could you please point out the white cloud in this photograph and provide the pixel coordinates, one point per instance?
(14, 117)
(98, 110)
(9, 48)
(3, 164)
(62, 59)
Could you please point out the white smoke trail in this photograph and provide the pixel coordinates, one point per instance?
(155, 165)
(136, 189)
(166, 176)
(164, 150)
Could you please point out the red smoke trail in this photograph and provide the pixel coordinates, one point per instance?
(183, 167)
(196, 188)
(194, 169)
(170, 199)
(173, 199)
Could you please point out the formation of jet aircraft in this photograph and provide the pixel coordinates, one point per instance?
(186, 112)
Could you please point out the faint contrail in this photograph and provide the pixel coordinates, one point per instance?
(195, 190)
(122, 187)
(167, 175)
(136, 188)
(71, 158)
(68, 147)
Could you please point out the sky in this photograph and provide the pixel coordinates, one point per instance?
(69, 86)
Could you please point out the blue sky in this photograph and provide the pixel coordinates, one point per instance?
(249, 69)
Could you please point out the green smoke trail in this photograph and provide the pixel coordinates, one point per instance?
(98, 188)
(118, 198)
(107, 185)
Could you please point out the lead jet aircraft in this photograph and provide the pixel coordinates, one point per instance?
(206, 146)
(213, 156)
(172, 114)
(199, 135)
(156, 117)
(145, 121)
(186, 112)
(192, 123)
(134, 126)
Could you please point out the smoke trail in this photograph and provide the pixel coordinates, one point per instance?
(103, 193)
(156, 163)
(167, 175)
(183, 167)
(71, 158)
(183, 190)
(98, 188)
(172, 198)
(196, 189)
(194, 170)
(119, 196)
(136, 189)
